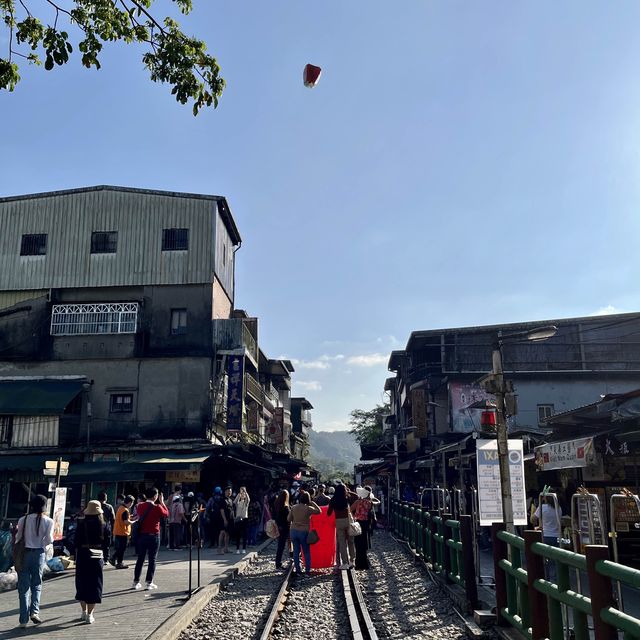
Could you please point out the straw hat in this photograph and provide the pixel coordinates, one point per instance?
(362, 492)
(93, 508)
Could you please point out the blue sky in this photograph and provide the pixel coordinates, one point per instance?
(459, 163)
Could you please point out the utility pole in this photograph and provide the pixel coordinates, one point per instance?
(395, 453)
(53, 498)
(503, 440)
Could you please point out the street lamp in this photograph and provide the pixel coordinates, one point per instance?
(495, 383)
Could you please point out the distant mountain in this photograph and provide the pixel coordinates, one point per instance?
(333, 453)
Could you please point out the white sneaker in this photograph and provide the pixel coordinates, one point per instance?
(83, 616)
(137, 586)
(237, 551)
(244, 551)
(90, 619)
(150, 586)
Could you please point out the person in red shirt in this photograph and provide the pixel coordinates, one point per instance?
(149, 515)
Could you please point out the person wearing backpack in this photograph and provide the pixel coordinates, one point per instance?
(34, 534)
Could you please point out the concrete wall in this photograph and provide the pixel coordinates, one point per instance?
(170, 395)
(565, 394)
(222, 305)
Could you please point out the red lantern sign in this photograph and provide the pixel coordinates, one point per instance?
(311, 75)
(488, 419)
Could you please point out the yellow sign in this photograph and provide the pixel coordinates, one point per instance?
(183, 476)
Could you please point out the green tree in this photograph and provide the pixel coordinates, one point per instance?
(171, 56)
(366, 426)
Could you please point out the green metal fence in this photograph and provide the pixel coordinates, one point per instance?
(446, 545)
(539, 608)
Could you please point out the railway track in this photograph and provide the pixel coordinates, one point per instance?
(361, 626)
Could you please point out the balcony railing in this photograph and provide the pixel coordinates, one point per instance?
(234, 333)
(252, 386)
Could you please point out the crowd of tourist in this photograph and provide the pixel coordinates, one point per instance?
(146, 522)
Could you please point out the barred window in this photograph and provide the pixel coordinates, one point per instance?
(104, 242)
(121, 403)
(175, 239)
(33, 244)
(92, 319)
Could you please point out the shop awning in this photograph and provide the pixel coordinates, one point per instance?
(24, 463)
(171, 460)
(93, 471)
(37, 397)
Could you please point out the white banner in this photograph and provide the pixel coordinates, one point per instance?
(489, 494)
(570, 454)
(59, 507)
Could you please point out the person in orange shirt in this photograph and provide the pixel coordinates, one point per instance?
(121, 532)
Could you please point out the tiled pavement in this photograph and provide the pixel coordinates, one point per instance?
(124, 613)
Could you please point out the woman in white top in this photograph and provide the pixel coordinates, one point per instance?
(37, 530)
(241, 505)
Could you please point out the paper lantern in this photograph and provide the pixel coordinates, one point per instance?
(311, 75)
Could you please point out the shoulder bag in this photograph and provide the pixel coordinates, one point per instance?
(19, 548)
(354, 527)
(312, 536)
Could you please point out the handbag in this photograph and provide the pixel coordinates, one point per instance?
(271, 529)
(354, 527)
(18, 553)
(312, 536)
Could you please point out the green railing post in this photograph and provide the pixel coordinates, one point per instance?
(412, 529)
(446, 557)
(424, 541)
(601, 590)
(468, 562)
(433, 543)
(537, 601)
(499, 553)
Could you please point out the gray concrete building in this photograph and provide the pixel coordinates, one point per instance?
(114, 307)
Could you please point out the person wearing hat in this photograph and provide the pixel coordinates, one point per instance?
(90, 537)
(36, 530)
(361, 510)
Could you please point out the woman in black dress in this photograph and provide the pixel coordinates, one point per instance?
(90, 535)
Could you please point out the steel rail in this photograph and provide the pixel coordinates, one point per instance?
(278, 606)
(361, 625)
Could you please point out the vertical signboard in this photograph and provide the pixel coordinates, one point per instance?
(489, 494)
(235, 393)
(419, 412)
(253, 416)
(59, 507)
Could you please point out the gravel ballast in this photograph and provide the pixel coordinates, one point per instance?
(403, 602)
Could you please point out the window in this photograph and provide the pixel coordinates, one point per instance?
(544, 411)
(224, 254)
(104, 241)
(92, 319)
(34, 244)
(175, 239)
(121, 403)
(178, 322)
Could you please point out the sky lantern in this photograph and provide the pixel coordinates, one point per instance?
(311, 75)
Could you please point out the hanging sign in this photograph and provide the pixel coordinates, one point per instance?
(235, 393)
(570, 454)
(489, 494)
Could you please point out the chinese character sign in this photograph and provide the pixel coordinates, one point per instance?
(489, 494)
(419, 412)
(570, 454)
(235, 393)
